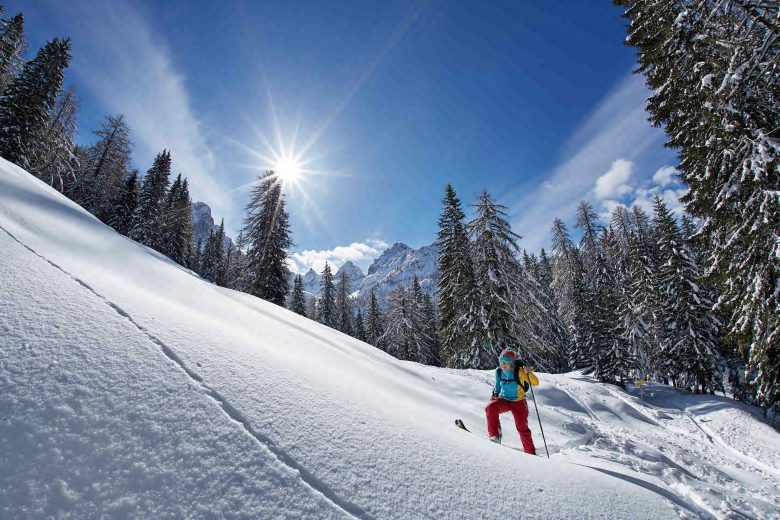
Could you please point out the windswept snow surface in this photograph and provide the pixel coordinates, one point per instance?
(130, 387)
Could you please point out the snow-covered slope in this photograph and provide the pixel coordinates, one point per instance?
(130, 387)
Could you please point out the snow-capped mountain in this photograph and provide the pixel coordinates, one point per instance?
(203, 224)
(354, 274)
(396, 266)
(132, 388)
(311, 283)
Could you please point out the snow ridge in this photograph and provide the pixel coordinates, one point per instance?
(265, 443)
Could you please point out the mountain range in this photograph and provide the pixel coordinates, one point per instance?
(396, 266)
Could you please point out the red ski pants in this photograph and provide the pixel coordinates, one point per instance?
(519, 411)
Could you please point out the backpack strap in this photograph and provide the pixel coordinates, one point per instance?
(522, 384)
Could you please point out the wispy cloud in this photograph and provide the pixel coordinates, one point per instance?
(616, 129)
(360, 253)
(120, 59)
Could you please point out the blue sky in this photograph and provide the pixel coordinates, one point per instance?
(387, 102)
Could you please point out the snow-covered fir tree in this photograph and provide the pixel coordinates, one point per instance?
(360, 327)
(177, 224)
(212, 264)
(149, 215)
(343, 305)
(459, 322)
(26, 104)
(571, 293)
(12, 47)
(53, 161)
(397, 337)
(297, 302)
(326, 307)
(689, 351)
(425, 341)
(267, 229)
(103, 169)
(712, 67)
(375, 326)
(124, 206)
(494, 246)
(236, 264)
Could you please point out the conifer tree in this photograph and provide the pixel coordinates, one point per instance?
(236, 266)
(360, 328)
(12, 47)
(425, 343)
(267, 229)
(213, 261)
(496, 272)
(572, 294)
(326, 308)
(690, 346)
(297, 299)
(374, 321)
(712, 68)
(177, 229)
(53, 160)
(398, 335)
(26, 103)
(125, 205)
(343, 305)
(104, 168)
(459, 321)
(148, 217)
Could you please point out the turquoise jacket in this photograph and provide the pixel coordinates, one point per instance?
(507, 389)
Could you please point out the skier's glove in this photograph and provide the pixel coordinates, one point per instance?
(493, 396)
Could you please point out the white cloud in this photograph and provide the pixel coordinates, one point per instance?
(616, 129)
(615, 181)
(119, 57)
(665, 175)
(360, 253)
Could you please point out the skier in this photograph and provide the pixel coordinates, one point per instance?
(512, 381)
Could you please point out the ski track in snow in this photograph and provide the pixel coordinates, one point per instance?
(676, 476)
(229, 410)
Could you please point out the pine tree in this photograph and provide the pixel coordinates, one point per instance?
(712, 67)
(343, 305)
(125, 204)
(496, 271)
(297, 302)
(572, 294)
(103, 169)
(459, 322)
(374, 321)
(424, 344)
(148, 218)
(213, 261)
(267, 229)
(398, 335)
(53, 161)
(177, 229)
(12, 47)
(555, 334)
(236, 266)
(690, 346)
(26, 103)
(326, 308)
(360, 328)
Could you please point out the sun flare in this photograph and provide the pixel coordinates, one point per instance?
(287, 169)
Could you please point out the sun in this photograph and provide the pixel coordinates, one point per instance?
(287, 169)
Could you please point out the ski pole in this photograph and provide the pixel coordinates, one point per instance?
(538, 417)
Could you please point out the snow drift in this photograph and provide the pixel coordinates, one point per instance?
(129, 386)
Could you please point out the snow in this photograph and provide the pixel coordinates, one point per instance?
(130, 387)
